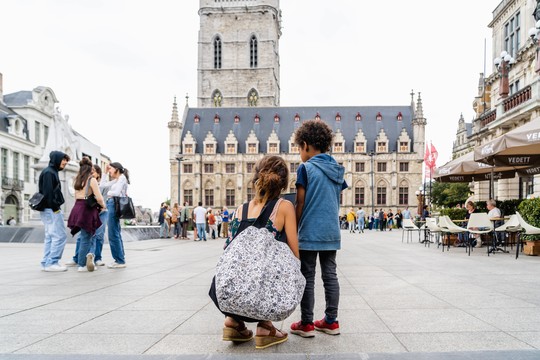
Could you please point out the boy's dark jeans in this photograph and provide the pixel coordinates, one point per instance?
(327, 259)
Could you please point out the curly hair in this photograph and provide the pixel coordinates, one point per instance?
(315, 133)
(270, 178)
(85, 172)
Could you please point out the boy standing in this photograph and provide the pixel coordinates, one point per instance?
(319, 184)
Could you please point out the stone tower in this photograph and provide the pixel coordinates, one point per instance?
(238, 55)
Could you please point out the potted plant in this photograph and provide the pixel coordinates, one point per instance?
(530, 211)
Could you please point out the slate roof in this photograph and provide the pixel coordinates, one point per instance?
(19, 98)
(348, 125)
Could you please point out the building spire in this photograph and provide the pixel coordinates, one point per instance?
(412, 98)
(174, 116)
(419, 109)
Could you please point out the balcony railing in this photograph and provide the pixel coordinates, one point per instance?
(517, 99)
(12, 184)
(487, 118)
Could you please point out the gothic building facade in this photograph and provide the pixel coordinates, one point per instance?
(509, 97)
(214, 147)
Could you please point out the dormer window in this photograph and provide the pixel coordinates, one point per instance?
(188, 148)
(196, 118)
(257, 119)
(338, 147)
(216, 119)
(210, 149)
(381, 146)
(273, 148)
(360, 147)
(399, 116)
(296, 118)
(403, 146)
(293, 148)
(379, 116)
(358, 117)
(317, 117)
(276, 118)
(338, 117)
(236, 119)
(252, 148)
(231, 148)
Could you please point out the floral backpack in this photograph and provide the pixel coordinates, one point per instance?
(257, 276)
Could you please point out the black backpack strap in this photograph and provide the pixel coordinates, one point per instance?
(266, 211)
(245, 209)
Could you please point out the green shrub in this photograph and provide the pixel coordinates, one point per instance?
(454, 213)
(509, 207)
(530, 211)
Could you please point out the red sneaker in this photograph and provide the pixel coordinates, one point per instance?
(304, 330)
(330, 329)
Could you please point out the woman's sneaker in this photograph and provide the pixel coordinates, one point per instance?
(100, 263)
(304, 330)
(330, 329)
(116, 265)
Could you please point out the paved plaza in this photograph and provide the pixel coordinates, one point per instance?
(398, 301)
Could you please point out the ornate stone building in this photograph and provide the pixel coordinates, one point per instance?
(509, 97)
(214, 147)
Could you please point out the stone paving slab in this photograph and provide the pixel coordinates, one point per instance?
(398, 301)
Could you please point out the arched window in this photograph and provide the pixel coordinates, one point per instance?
(217, 53)
(217, 98)
(253, 96)
(253, 52)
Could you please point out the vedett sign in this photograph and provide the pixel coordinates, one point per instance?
(535, 136)
(488, 149)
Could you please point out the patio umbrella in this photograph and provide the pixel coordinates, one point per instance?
(517, 148)
(465, 169)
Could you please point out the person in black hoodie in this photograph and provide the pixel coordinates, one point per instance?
(51, 214)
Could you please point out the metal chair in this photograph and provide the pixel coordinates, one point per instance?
(479, 223)
(527, 230)
(408, 226)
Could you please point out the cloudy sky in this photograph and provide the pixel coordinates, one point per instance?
(116, 65)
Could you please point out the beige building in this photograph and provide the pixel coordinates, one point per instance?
(214, 147)
(509, 97)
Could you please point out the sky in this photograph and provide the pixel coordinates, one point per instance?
(116, 65)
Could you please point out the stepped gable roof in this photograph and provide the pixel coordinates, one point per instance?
(19, 98)
(348, 125)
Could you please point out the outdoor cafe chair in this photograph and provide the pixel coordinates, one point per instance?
(528, 229)
(511, 226)
(433, 228)
(448, 227)
(480, 223)
(408, 227)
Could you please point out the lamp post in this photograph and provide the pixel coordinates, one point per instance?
(371, 154)
(503, 64)
(534, 33)
(180, 159)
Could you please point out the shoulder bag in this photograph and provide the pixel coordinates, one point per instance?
(35, 201)
(258, 277)
(91, 200)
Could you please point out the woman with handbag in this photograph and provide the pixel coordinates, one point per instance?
(269, 180)
(118, 182)
(84, 216)
(175, 220)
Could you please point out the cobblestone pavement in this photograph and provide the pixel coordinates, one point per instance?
(398, 301)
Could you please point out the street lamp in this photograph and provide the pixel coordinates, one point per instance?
(180, 158)
(371, 154)
(534, 33)
(503, 64)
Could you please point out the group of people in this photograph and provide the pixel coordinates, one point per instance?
(177, 220)
(85, 221)
(320, 180)
(380, 220)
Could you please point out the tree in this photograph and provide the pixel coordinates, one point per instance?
(449, 194)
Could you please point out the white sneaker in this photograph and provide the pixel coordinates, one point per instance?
(55, 268)
(90, 262)
(82, 269)
(70, 263)
(100, 263)
(116, 265)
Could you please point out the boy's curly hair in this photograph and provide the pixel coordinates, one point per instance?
(314, 133)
